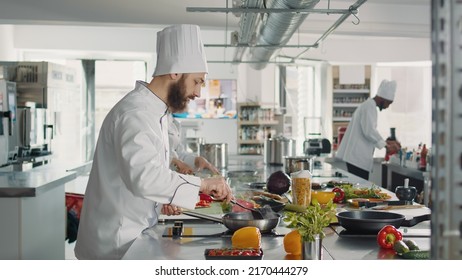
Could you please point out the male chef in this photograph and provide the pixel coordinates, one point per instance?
(130, 182)
(361, 137)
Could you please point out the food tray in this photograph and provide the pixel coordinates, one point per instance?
(233, 254)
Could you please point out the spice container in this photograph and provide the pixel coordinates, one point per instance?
(301, 187)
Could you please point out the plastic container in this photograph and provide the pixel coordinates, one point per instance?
(301, 187)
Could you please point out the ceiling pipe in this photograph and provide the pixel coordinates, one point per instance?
(247, 27)
(277, 29)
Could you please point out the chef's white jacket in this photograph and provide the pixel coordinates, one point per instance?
(177, 149)
(361, 137)
(130, 178)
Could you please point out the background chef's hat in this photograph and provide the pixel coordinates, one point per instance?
(180, 50)
(387, 90)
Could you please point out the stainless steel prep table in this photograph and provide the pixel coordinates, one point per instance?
(151, 245)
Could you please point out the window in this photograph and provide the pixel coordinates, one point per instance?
(303, 103)
(113, 80)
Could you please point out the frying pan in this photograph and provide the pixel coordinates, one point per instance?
(373, 221)
(236, 220)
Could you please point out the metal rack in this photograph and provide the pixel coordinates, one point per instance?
(446, 240)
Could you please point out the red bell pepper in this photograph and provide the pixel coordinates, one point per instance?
(387, 236)
(205, 197)
(339, 195)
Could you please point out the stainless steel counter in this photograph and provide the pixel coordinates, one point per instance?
(33, 212)
(33, 182)
(152, 245)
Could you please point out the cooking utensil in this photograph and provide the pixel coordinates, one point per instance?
(406, 193)
(236, 220)
(255, 213)
(275, 205)
(276, 148)
(215, 153)
(297, 163)
(373, 221)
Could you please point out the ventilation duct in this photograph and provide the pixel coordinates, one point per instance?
(247, 26)
(275, 29)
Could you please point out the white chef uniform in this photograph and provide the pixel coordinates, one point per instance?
(361, 136)
(177, 149)
(130, 178)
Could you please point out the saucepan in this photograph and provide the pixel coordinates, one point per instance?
(373, 221)
(236, 220)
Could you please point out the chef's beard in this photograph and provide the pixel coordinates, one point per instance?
(176, 98)
(381, 105)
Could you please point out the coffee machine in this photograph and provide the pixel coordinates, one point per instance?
(33, 134)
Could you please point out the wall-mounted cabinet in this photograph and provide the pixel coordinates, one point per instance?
(255, 124)
(348, 93)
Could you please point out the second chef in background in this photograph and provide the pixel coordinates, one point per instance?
(361, 137)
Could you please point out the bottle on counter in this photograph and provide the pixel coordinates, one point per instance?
(392, 137)
(392, 134)
(423, 158)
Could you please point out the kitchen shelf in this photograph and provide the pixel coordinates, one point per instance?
(346, 98)
(341, 119)
(346, 105)
(252, 123)
(250, 142)
(255, 124)
(351, 90)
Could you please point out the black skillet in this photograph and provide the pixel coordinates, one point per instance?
(372, 221)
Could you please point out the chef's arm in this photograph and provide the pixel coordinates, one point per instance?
(141, 160)
(370, 132)
(181, 167)
(202, 163)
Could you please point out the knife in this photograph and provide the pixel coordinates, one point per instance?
(391, 207)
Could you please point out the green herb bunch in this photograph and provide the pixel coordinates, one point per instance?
(312, 221)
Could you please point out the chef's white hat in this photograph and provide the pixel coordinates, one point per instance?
(180, 50)
(387, 90)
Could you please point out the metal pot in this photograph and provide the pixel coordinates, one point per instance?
(297, 163)
(276, 148)
(216, 154)
(192, 144)
(236, 220)
(373, 221)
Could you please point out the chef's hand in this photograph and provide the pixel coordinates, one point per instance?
(182, 167)
(392, 146)
(217, 187)
(201, 163)
(169, 209)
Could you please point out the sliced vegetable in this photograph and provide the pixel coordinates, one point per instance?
(206, 197)
(388, 235)
(339, 195)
